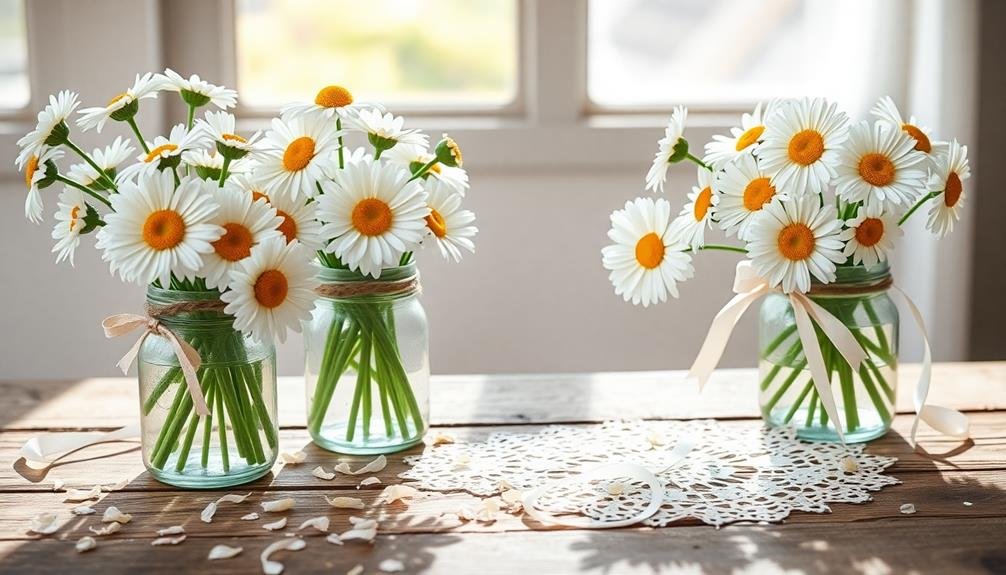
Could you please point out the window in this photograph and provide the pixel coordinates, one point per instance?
(13, 56)
(411, 53)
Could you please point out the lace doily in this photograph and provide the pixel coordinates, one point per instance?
(729, 475)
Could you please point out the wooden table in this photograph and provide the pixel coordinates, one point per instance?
(944, 536)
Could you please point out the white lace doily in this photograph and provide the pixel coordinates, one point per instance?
(729, 475)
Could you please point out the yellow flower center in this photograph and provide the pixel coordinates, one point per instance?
(954, 189)
(235, 244)
(757, 193)
(234, 138)
(806, 147)
(455, 151)
(702, 203)
(436, 223)
(74, 214)
(156, 152)
(116, 99)
(869, 232)
(333, 97)
(163, 229)
(289, 226)
(922, 142)
(796, 242)
(271, 288)
(650, 251)
(877, 169)
(29, 171)
(371, 217)
(749, 137)
(298, 154)
(259, 195)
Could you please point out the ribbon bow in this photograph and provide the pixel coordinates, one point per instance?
(188, 357)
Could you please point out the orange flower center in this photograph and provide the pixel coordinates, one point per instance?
(796, 242)
(298, 154)
(702, 203)
(922, 142)
(234, 138)
(333, 97)
(271, 288)
(156, 152)
(953, 191)
(371, 217)
(74, 214)
(235, 244)
(259, 195)
(116, 99)
(436, 223)
(163, 229)
(650, 251)
(289, 226)
(749, 137)
(877, 169)
(870, 231)
(806, 147)
(757, 193)
(29, 170)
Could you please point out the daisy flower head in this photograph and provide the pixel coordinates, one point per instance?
(449, 225)
(384, 131)
(50, 127)
(448, 152)
(742, 140)
(645, 262)
(209, 163)
(69, 223)
(155, 230)
(298, 219)
(949, 172)
(879, 165)
(39, 172)
(374, 213)
(329, 101)
(744, 189)
(869, 237)
(671, 148)
(800, 145)
(107, 158)
(272, 290)
(413, 158)
(219, 127)
(793, 240)
(296, 154)
(886, 112)
(246, 223)
(690, 226)
(123, 106)
(196, 92)
(165, 153)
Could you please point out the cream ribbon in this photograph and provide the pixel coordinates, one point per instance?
(188, 357)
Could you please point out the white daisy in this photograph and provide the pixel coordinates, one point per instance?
(645, 263)
(155, 230)
(107, 158)
(121, 107)
(792, 240)
(297, 154)
(165, 153)
(690, 225)
(869, 237)
(373, 215)
(209, 163)
(744, 188)
(879, 165)
(197, 92)
(384, 130)
(742, 140)
(219, 127)
(800, 145)
(329, 101)
(448, 224)
(36, 177)
(412, 158)
(50, 128)
(299, 219)
(273, 290)
(886, 111)
(949, 172)
(671, 148)
(246, 223)
(69, 223)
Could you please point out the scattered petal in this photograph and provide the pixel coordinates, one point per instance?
(849, 464)
(656, 439)
(211, 508)
(57, 484)
(44, 523)
(113, 514)
(270, 567)
(393, 493)
(278, 505)
(209, 512)
(363, 529)
(107, 530)
(391, 566)
(294, 458)
(85, 544)
(275, 525)
(453, 518)
(233, 498)
(82, 495)
(616, 488)
(224, 552)
(357, 570)
(907, 509)
(345, 502)
(343, 468)
(168, 540)
(319, 523)
(443, 438)
(369, 481)
(490, 508)
(334, 539)
(374, 466)
(173, 530)
(320, 473)
(250, 517)
(117, 486)
(83, 510)
(968, 504)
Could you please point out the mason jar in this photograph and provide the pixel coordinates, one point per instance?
(367, 372)
(865, 399)
(237, 442)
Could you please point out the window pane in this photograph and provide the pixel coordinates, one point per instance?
(412, 52)
(13, 55)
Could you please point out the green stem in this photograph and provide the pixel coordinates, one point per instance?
(722, 247)
(84, 189)
(208, 427)
(917, 205)
(799, 401)
(810, 410)
(698, 161)
(101, 173)
(191, 117)
(222, 433)
(871, 390)
(797, 370)
(422, 170)
(787, 359)
(223, 171)
(361, 382)
(338, 126)
(139, 136)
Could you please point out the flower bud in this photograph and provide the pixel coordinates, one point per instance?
(448, 152)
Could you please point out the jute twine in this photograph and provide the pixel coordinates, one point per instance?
(362, 288)
(838, 289)
(157, 310)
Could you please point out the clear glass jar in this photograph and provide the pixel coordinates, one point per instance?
(865, 399)
(237, 442)
(368, 374)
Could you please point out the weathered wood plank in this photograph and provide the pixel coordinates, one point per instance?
(507, 399)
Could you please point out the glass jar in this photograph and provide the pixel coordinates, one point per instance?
(367, 351)
(865, 398)
(237, 442)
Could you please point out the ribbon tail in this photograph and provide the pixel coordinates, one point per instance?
(130, 356)
(719, 334)
(815, 361)
(188, 360)
(836, 331)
